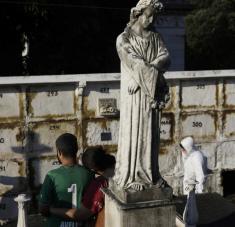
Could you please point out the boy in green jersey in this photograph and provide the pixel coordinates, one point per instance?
(55, 188)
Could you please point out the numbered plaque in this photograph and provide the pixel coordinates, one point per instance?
(227, 150)
(102, 133)
(10, 105)
(11, 141)
(167, 123)
(11, 179)
(230, 92)
(199, 125)
(229, 124)
(8, 208)
(101, 91)
(52, 101)
(42, 136)
(41, 167)
(198, 94)
(107, 107)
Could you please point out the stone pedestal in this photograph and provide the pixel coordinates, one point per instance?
(22, 215)
(152, 212)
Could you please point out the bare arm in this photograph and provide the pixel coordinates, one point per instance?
(72, 213)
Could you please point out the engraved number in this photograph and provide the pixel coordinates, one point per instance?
(52, 93)
(197, 124)
(104, 90)
(2, 140)
(54, 127)
(201, 86)
(2, 168)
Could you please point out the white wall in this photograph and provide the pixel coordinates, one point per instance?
(35, 110)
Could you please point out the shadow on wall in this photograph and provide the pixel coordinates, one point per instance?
(11, 186)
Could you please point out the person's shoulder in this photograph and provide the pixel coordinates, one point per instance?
(102, 181)
(196, 154)
(98, 182)
(83, 170)
(52, 173)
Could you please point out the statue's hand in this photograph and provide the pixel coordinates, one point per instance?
(167, 98)
(132, 87)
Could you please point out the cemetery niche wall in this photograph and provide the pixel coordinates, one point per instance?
(35, 110)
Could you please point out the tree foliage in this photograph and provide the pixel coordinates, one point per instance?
(65, 36)
(210, 35)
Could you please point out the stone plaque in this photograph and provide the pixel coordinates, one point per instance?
(8, 208)
(107, 107)
(102, 133)
(12, 176)
(52, 101)
(198, 93)
(167, 122)
(41, 167)
(228, 154)
(43, 135)
(11, 141)
(229, 125)
(230, 92)
(9, 103)
(199, 125)
(98, 91)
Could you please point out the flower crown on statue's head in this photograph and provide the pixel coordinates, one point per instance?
(141, 5)
(156, 4)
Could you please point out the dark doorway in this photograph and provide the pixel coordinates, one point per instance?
(228, 178)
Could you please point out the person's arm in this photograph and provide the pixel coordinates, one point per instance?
(200, 176)
(81, 213)
(46, 196)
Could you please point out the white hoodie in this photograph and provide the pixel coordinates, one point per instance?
(194, 165)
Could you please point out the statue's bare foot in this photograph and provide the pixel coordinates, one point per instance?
(136, 186)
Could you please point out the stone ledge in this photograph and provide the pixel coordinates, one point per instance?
(138, 205)
(151, 194)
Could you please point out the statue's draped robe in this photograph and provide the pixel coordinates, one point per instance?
(139, 133)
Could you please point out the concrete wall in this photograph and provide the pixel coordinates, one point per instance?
(34, 111)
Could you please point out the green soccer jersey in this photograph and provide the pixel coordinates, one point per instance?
(55, 193)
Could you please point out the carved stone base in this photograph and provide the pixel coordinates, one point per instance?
(151, 194)
(152, 213)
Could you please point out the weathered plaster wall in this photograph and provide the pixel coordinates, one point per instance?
(34, 111)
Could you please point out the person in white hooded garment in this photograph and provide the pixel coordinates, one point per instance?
(194, 165)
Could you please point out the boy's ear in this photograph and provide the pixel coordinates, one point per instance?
(59, 152)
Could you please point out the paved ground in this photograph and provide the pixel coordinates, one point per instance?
(33, 221)
(213, 210)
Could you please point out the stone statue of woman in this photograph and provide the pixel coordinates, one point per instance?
(144, 59)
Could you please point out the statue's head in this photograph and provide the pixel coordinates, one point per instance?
(145, 11)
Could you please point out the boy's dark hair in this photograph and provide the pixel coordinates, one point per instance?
(67, 145)
(97, 159)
